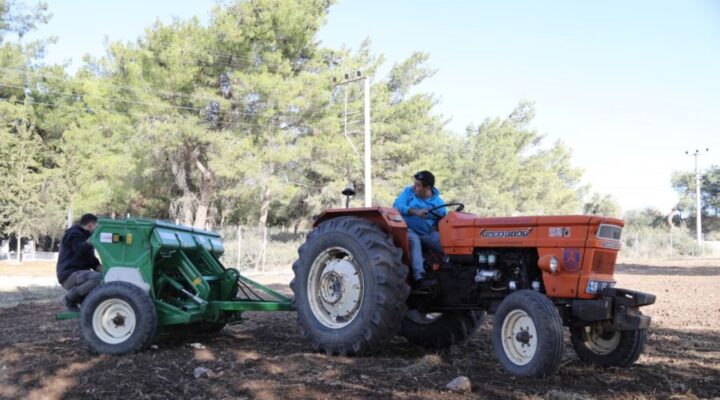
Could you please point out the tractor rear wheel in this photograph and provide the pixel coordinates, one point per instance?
(350, 287)
(439, 330)
(118, 318)
(528, 334)
(607, 348)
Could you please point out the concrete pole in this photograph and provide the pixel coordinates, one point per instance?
(698, 210)
(367, 160)
(345, 131)
(368, 179)
(698, 220)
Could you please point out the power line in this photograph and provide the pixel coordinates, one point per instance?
(9, 100)
(130, 87)
(135, 102)
(141, 89)
(113, 99)
(225, 125)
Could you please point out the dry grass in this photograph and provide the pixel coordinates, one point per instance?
(28, 268)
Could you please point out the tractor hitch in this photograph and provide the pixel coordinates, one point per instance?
(618, 309)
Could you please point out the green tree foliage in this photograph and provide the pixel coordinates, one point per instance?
(21, 180)
(501, 168)
(685, 184)
(30, 199)
(238, 121)
(648, 217)
(651, 233)
(19, 19)
(602, 205)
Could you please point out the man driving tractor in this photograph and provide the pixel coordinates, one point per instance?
(413, 203)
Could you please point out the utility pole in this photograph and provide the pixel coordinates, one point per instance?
(698, 221)
(367, 159)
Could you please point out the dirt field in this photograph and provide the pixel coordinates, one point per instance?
(265, 357)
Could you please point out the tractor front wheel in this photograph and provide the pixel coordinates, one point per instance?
(595, 345)
(528, 334)
(118, 318)
(350, 287)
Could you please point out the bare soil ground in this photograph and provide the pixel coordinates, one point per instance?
(265, 357)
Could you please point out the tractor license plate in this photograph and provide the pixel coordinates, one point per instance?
(598, 286)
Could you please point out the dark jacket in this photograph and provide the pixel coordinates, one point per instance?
(76, 254)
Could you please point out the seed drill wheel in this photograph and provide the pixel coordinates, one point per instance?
(528, 334)
(118, 318)
(350, 287)
(595, 345)
(439, 330)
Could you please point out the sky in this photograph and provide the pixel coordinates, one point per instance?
(627, 86)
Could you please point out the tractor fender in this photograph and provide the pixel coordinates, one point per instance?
(387, 218)
(126, 274)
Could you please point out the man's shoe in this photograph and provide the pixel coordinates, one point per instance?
(424, 284)
(71, 305)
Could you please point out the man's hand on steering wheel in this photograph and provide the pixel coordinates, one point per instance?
(418, 212)
(431, 211)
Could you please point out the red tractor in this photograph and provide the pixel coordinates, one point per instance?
(535, 274)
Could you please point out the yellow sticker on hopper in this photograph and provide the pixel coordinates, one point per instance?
(197, 281)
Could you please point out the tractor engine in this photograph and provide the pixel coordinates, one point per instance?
(487, 276)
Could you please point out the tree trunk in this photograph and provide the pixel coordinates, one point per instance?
(179, 170)
(207, 184)
(264, 210)
(18, 247)
(239, 246)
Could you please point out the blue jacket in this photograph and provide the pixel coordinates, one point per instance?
(407, 200)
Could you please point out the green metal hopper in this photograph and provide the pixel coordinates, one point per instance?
(161, 274)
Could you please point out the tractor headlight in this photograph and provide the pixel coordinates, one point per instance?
(554, 264)
(549, 263)
(594, 287)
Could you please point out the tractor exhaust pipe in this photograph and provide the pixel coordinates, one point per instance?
(348, 192)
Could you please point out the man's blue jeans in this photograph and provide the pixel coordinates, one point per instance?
(417, 242)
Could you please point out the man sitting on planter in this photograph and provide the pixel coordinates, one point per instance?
(78, 270)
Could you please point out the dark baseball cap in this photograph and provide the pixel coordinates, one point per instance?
(426, 177)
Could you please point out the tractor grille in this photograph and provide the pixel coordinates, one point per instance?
(604, 262)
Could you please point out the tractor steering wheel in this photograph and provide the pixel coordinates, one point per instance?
(431, 211)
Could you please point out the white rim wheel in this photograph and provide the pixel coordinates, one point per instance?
(335, 288)
(113, 321)
(519, 337)
(600, 341)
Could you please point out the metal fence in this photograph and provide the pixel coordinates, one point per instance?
(30, 256)
(655, 244)
(244, 248)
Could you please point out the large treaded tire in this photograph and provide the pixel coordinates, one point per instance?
(447, 329)
(114, 299)
(528, 311)
(383, 287)
(621, 348)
